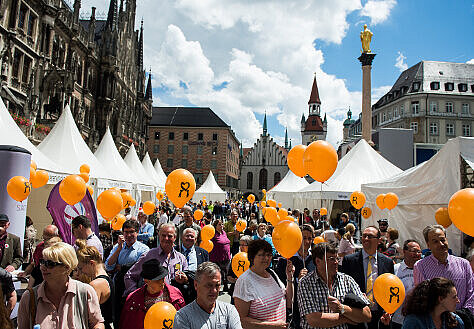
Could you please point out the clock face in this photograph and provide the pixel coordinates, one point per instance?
(314, 138)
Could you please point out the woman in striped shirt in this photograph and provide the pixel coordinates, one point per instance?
(260, 297)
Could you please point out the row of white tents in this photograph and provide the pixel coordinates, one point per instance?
(421, 190)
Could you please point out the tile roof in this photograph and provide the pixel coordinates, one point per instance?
(314, 98)
(314, 123)
(186, 117)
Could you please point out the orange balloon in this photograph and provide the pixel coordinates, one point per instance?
(208, 232)
(159, 195)
(323, 211)
(90, 189)
(109, 203)
(282, 212)
(207, 245)
(85, 168)
(295, 160)
(240, 225)
(279, 205)
(32, 174)
(149, 208)
(18, 188)
(133, 203)
(72, 189)
(357, 199)
(461, 208)
(366, 212)
(84, 176)
(126, 200)
(389, 292)
(264, 191)
(198, 214)
(270, 214)
(390, 200)
(318, 239)
(442, 217)
(263, 203)
(240, 263)
(320, 160)
(271, 203)
(160, 316)
(287, 238)
(180, 186)
(380, 201)
(251, 198)
(41, 179)
(117, 222)
(33, 165)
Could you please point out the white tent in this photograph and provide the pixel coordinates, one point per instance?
(360, 165)
(210, 190)
(146, 183)
(148, 166)
(11, 134)
(160, 172)
(421, 190)
(284, 190)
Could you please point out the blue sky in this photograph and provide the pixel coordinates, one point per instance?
(244, 58)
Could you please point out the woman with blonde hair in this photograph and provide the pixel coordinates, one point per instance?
(90, 269)
(346, 245)
(60, 301)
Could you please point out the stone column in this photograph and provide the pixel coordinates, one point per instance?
(366, 61)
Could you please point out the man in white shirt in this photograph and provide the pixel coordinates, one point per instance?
(163, 218)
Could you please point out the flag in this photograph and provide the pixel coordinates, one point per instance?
(63, 214)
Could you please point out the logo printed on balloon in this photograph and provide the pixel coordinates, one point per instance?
(366, 212)
(394, 292)
(168, 323)
(185, 187)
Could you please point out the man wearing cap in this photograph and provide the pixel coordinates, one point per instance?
(383, 226)
(155, 290)
(10, 248)
(81, 229)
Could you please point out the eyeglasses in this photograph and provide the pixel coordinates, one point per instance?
(368, 236)
(49, 263)
(414, 251)
(333, 259)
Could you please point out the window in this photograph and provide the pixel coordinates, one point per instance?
(214, 137)
(395, 112)
(314, 122)
(157, 135)
(171, 136)
(200, 136)
(466, 130)
(214, 150)
(416, 86)
(199, 149)
(185, 136)
(276, 178)
(32, 23)
(184, 163)
(169, 163)
(449, 107)
(433, 128)
(462, 87)
(415, 107)
(22, 16)
(389, 115)
(465, 108)
(434, 85)
(170, 149)
(185, 149)
(449, 86)
(198, 178)
(262, 179)
(450, 129)
(414, 126)
(402, 108)
(384, 117)
(198, 164)
(249, 180)
(433, 106)
(213, 164)
(156, 148)
(16, 63)
(26, 69)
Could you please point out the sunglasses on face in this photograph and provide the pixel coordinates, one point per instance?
(49, 263)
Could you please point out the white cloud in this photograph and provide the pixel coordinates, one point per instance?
(377, 10)
(400, 62)
(471, 61)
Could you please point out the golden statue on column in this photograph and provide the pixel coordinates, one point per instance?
(365, 38)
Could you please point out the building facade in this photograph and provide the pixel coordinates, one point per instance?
(263, 165)
(49, 57)
(196, 139)
(313, 128)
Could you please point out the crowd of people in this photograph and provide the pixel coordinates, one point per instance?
(111, 280)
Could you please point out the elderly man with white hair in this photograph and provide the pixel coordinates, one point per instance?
(194, 255)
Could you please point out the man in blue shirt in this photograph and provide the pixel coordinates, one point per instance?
(146, 230)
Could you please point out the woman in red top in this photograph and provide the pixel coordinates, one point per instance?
(155, 290)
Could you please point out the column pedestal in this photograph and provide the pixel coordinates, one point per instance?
(366, 61)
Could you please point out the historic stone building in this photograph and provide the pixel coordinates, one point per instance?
(313, 128)
(50, 57)
(263, 165)
(196, 139)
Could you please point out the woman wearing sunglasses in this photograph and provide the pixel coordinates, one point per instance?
(60, 301)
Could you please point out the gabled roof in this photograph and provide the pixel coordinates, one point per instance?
(246, 151)
(186, 117)
(314, 98)
(317, 125)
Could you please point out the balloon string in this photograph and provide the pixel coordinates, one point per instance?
(327, 275)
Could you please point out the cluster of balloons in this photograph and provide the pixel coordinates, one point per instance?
(318, 159)
(180, 187)
(19, 188)
(111, 202)
(207, 233)
(160, 316)
(461, 208)
(389, 201)
(271, 203)
(72, 189)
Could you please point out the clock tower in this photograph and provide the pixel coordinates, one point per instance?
(313, 128)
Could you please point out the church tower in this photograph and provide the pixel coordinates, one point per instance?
(313, 128)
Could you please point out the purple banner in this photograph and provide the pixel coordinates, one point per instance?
(63, 214)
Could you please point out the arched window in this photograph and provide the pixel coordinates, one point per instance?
(262, 179)
(249, 180)
(276, 178)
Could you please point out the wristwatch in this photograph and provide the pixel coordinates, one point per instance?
(343, 309)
